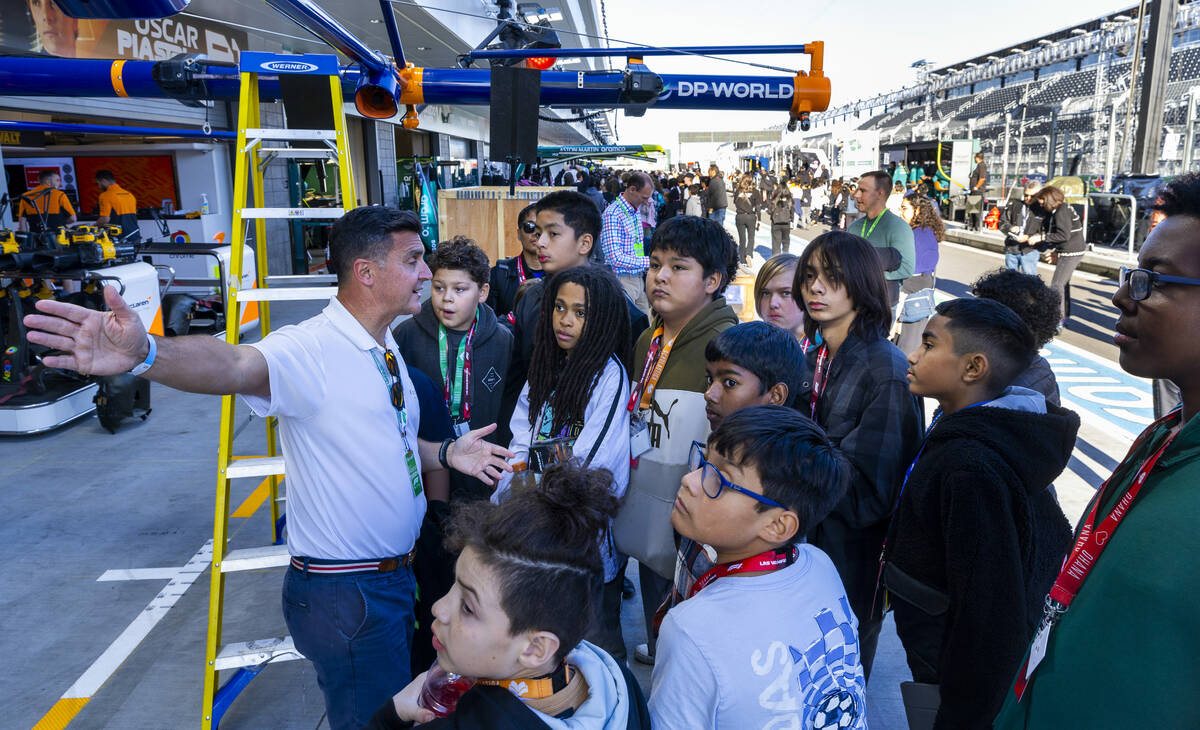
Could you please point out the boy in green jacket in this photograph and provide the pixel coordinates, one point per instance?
(1118, 645)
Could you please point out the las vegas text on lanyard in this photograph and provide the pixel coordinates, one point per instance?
(656, 360)
(1089, 545)
(456, 388)
(771, 560)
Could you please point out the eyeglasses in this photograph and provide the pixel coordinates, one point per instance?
(528, 226)
(397, 385)
(1141, 281)
(713, 481)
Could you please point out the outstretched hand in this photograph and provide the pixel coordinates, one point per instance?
(93, 343)
(473, 456)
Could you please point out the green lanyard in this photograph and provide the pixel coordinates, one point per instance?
(454, 394)
(867, 234)
(410, 459)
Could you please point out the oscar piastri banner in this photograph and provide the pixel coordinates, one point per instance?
(37, 26)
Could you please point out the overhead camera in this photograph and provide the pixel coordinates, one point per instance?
(803, 121)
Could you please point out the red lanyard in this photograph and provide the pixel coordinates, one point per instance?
(656, 358)
(1092, 541)
(521, 269)
(771, 560)
(820, 379)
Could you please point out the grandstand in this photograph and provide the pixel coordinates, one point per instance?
(1056, 103)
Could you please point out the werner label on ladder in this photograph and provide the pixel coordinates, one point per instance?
(345, 426)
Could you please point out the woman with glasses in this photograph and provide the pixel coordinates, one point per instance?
(508, 274)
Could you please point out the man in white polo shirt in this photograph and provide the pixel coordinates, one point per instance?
(348, 421)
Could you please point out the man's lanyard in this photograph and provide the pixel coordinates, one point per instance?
(649, 380)
(771, 560)
(820, 379)
(401, 410)
(867, 233)
(1089, 545)
(522, 275)
(458, 398)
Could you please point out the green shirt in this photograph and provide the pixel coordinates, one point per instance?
(1125, 653)
(889, 231)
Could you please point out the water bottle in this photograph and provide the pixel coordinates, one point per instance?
(203, 203)
(442, 689)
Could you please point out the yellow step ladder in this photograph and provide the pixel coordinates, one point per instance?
(256, 148)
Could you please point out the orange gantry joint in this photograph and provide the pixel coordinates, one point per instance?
(812, 89)
(412, 85)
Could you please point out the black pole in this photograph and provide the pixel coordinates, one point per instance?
(1154, 87)
(1052, 146)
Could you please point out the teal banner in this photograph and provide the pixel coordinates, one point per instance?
(426, 189)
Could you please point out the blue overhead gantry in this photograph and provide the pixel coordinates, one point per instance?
(380, 84)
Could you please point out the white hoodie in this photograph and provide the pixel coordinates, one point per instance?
(607, 705)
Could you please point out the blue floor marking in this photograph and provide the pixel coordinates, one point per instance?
(1102, 388)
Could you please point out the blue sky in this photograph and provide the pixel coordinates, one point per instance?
(869, 44)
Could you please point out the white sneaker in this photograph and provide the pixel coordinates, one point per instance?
(642, 655)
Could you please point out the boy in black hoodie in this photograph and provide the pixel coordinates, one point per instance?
(977, 538)
(457, 341)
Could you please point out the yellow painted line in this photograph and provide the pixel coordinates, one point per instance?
(62, 713)
(254, 501)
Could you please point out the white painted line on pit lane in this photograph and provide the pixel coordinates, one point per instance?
(1099, 359)
(1085, 275)
(117, 652)
(1102, 424)
(139, 574)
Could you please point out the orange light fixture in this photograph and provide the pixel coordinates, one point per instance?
(540, 63)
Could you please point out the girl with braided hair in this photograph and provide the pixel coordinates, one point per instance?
(575, 397)
(526, 584)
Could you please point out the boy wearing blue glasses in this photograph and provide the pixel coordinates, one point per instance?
(766, 638)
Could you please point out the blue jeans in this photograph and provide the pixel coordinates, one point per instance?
(1026, 263)
(356, 630)
(718, 215)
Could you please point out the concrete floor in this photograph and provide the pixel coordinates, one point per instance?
(80, 502)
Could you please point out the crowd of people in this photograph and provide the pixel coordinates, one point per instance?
(482, 472)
